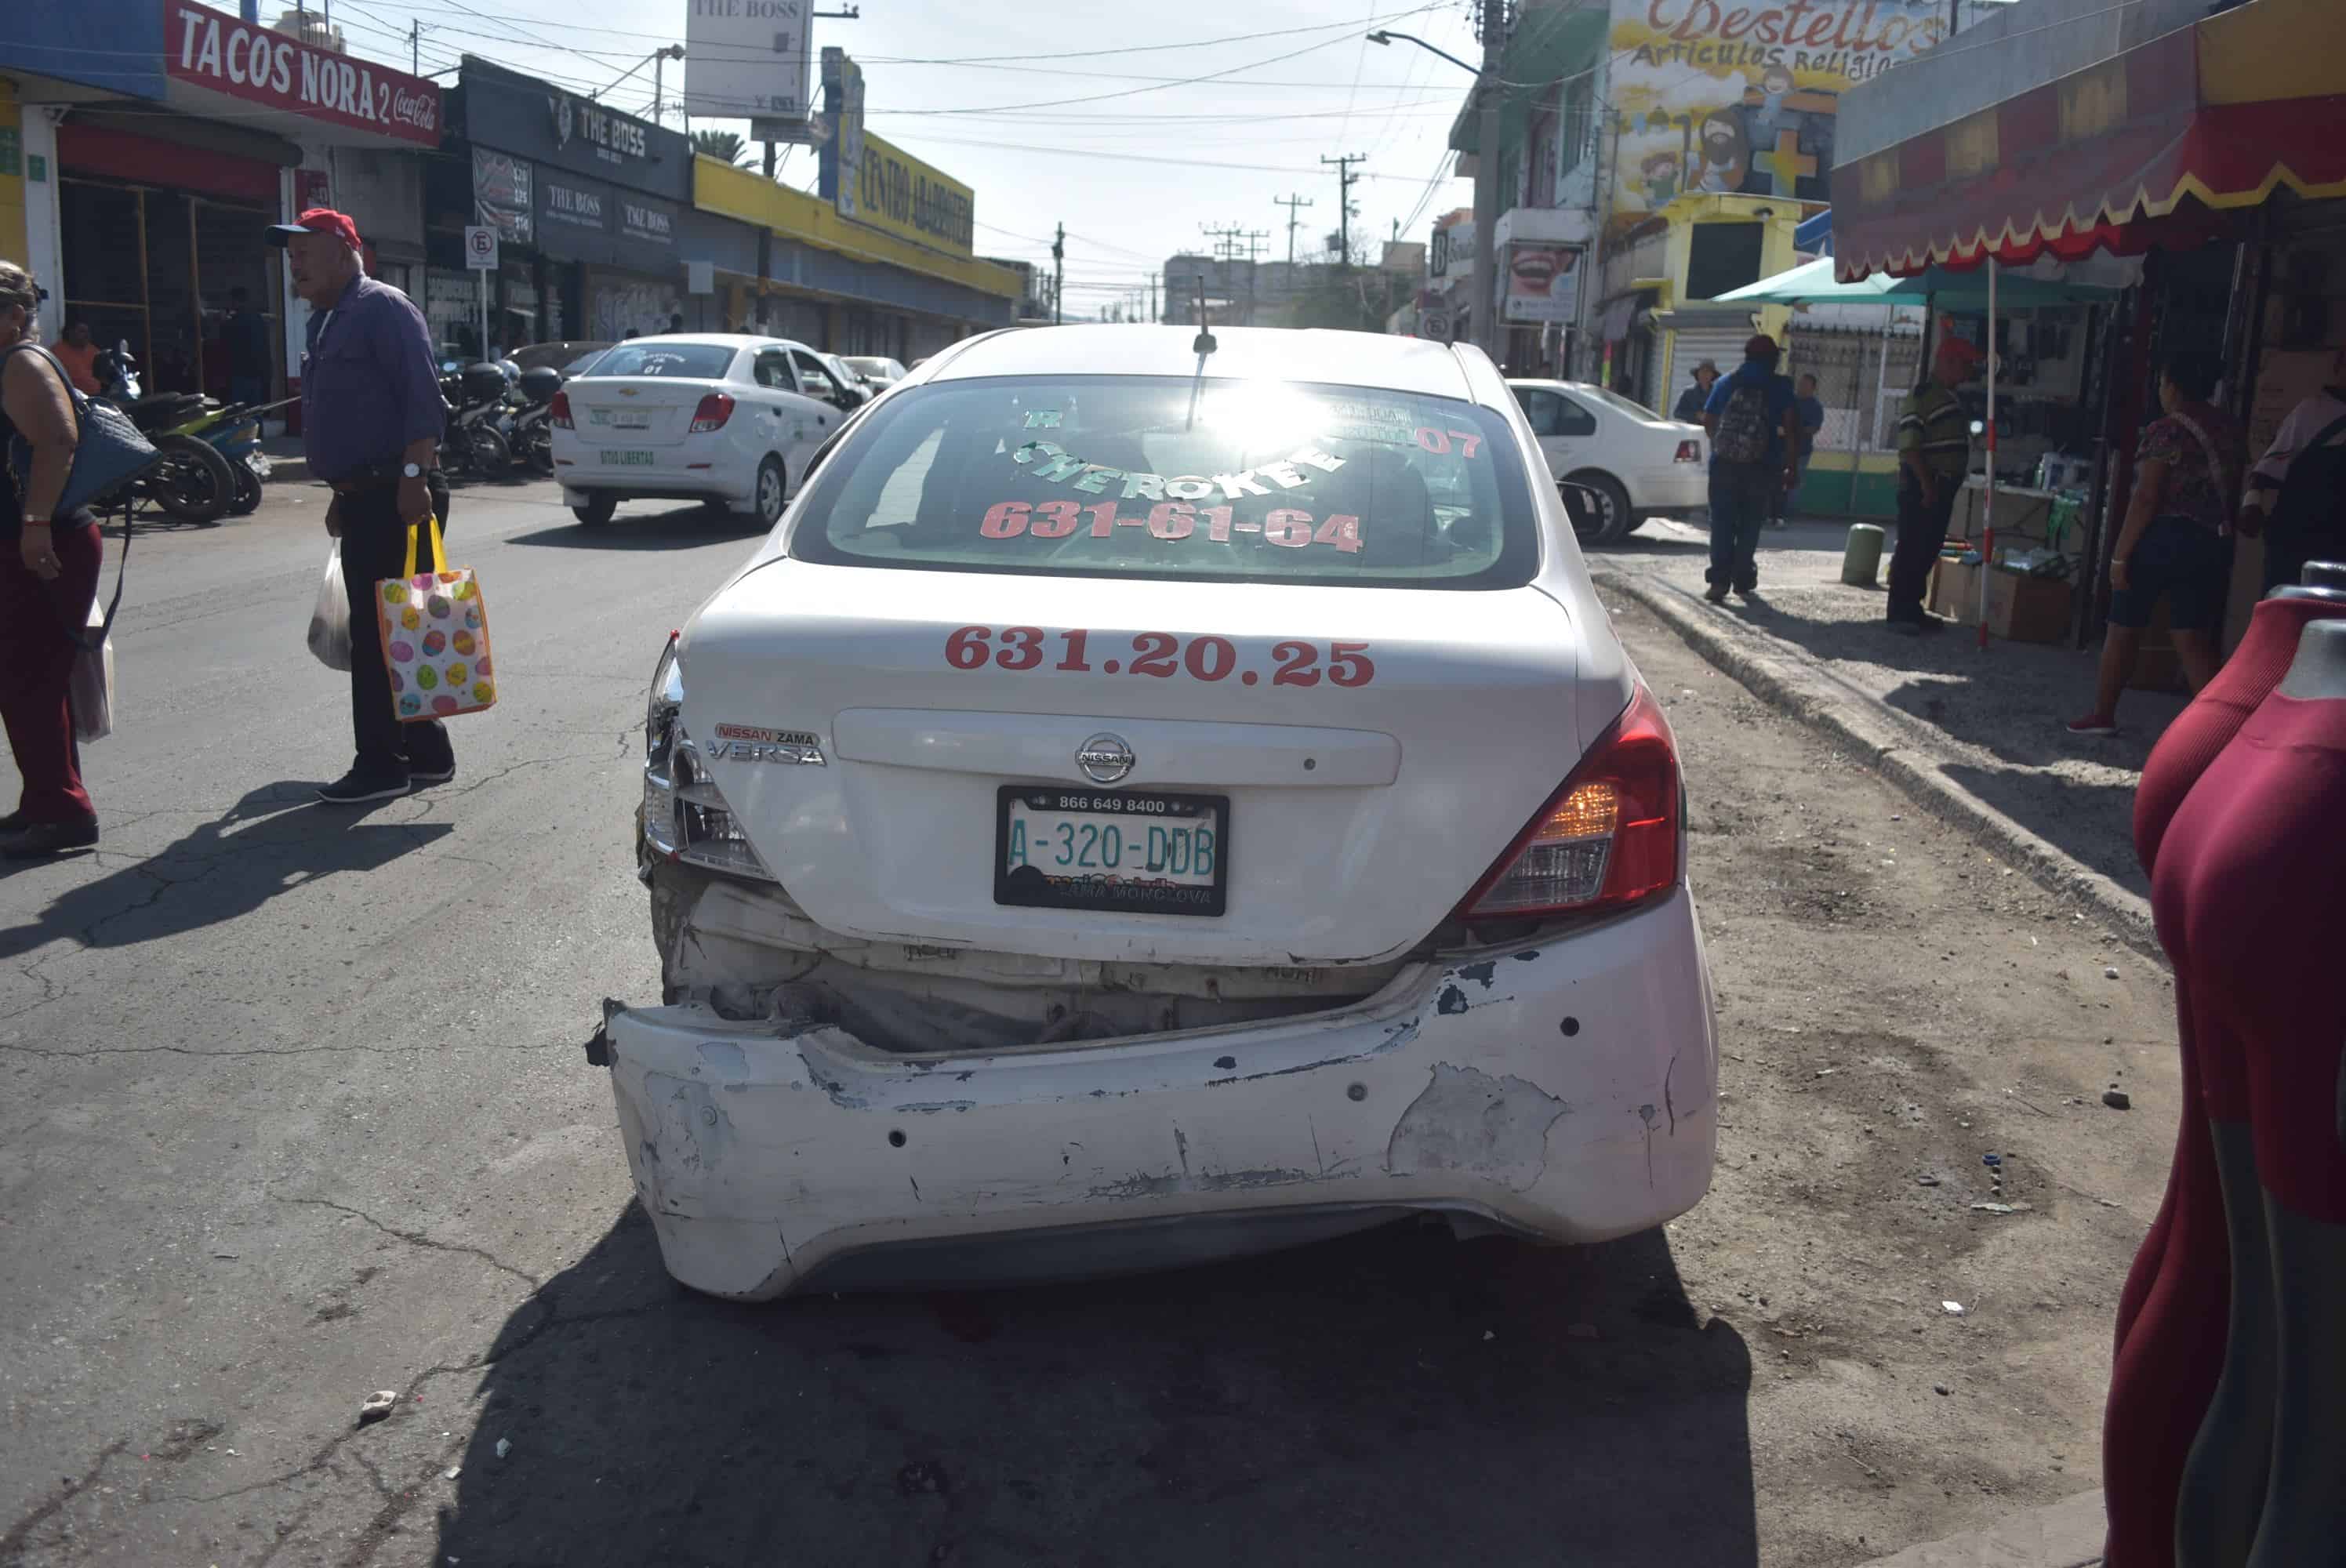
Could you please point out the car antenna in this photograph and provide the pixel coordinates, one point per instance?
(1203, 346)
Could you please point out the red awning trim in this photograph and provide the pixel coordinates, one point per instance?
(2122, 156)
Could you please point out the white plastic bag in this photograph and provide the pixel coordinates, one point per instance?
(330, 622)
(89, 689)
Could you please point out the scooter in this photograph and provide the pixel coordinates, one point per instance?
(193, 483)
(234, 432)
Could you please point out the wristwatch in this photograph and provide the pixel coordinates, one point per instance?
(411, 471)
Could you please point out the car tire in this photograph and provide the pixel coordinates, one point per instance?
(772, 491)
(1636, 520)
(597, 510)
(1614, 519)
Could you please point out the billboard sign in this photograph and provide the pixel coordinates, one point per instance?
(501, 195)
(1542, 282)
(243, 60)
(872, 182)
(1718, 97)
(751, 59)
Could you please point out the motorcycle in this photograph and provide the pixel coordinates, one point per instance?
(472, 444)
(533, 441)
(194, 483)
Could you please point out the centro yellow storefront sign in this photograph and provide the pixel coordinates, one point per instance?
(897, 193)
(1720, 96)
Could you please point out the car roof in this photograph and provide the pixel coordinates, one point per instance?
(1283, 353)
(736, 340)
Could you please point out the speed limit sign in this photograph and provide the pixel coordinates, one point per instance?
(481, 248)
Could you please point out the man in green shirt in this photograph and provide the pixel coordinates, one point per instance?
(1934, 449)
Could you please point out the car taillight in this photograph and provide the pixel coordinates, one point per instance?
(1608, 838)
(561, 407)
(714, 411)
(1689, 452)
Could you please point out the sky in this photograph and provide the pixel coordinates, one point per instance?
(1201, 114)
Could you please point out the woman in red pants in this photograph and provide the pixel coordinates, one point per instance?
(48, 577)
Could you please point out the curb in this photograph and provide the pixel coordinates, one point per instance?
(1786, 678)
(2064, 1534)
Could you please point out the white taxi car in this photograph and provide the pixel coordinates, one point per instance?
(725, 419)
(1144, 804)
(1629, 462)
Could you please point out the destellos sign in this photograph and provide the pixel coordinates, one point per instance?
(210, 50)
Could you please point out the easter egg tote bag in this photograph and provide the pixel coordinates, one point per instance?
(435, 636)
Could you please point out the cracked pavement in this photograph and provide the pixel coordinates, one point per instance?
(296, 1112)
(295, 1108)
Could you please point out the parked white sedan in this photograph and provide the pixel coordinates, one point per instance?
(1630, 462)
(1132, 811)
(728, 420)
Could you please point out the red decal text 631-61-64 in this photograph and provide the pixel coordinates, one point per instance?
(1285, 662)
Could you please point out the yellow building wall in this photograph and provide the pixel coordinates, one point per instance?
(751, 198)
(13, 237)
(1777, 251)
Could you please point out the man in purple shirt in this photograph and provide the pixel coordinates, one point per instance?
(371, 417)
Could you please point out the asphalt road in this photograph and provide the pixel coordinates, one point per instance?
(295, 1110)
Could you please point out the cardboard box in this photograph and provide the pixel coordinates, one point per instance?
(2020, 608)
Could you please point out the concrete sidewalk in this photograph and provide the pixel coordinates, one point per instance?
(1975, 735)
(2064, 1534)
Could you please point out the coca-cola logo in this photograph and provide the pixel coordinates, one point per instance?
(421, 110)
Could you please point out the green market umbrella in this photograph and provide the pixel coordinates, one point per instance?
(1813, 283)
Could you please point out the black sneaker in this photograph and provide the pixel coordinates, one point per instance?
(1714, 594)
(357, 785)
(38, 841)
(421, 777)
(14, 823)
(1748, 588)
(1903, 626)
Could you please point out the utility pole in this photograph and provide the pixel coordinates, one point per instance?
(1058, 273)
(659, 58)
(1153, 316)
(1484, 318)
(1290, 203)
(1254, 238)
(414, 47)
(1344, 178)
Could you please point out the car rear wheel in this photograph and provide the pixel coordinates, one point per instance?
(596, 509)
(1607, 518)
(772, 491)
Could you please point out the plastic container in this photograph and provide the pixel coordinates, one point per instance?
(1860, 558)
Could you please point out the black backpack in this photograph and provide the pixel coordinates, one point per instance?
(2308, 519)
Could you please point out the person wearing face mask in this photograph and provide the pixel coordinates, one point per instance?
(371, 417)
(49, 578)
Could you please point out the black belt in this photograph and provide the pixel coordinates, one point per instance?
(371, 478)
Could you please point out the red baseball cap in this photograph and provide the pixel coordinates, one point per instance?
(318, 221)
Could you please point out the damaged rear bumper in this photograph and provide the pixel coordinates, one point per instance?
(1561, 1088)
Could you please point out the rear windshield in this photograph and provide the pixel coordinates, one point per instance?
(875, 367)
(1629, 406)
(705, 362)
(1114, 476)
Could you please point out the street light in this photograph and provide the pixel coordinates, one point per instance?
(1485, 307)
(1384, 35)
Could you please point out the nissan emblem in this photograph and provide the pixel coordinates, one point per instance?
(1104, 757)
